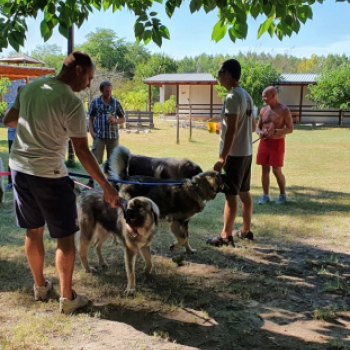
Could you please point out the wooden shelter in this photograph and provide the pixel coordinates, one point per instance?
(17, 67)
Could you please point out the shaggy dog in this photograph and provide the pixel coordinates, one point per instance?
(127, 164)
(177, 203)
(135, 228)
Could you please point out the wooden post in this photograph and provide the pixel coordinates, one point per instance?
(211, 101)
(341, 115)
(70, 49)
(150, 98)
(190, 114)
(177, 125)
(301, 102)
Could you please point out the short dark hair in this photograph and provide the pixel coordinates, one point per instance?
(104, 83)
(233, 67)
(77, 58)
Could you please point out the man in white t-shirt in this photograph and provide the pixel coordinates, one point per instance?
(235, 158)
(46, 113)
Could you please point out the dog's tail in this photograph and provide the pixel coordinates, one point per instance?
(119, 162)
(2, 191)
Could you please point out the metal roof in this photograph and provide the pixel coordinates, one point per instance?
(287, 78)
(185, 78)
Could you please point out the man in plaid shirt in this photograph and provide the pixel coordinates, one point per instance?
(105, 115)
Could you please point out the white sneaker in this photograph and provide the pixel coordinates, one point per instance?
(265, 198)
(68, 306)
(40, 292)
(282, 199)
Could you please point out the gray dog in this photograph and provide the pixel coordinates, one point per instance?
(177, 203)
(135, 228)
(161, 168)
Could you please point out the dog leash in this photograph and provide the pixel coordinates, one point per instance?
(130, 182)
(118, 204)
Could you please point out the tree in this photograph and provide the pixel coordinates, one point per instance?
(332, 90)
(51, 55)
(256, 76)
(279, 18)
(4, 84)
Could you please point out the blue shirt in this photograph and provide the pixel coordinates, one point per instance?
(101, 112)
(11, 133)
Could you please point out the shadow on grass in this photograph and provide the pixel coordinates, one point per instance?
(309, 200)
(225, 298)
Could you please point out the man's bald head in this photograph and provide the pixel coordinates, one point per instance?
(270, 90)
(269, 96)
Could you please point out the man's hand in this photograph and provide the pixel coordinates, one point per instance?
(263, 134)
(111, 119)
(110, 195)
(93, 134)
(219, 165)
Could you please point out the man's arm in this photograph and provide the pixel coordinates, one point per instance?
(91, 126)
(88, 161)
(11, 118)
(232, 126)
(258, 129)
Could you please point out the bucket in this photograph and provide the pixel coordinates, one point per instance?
(211, 127)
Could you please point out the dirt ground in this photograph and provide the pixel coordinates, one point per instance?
(277, 297)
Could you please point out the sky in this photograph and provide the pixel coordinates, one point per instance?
(190, 34)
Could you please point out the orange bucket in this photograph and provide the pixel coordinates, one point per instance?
(211, 127)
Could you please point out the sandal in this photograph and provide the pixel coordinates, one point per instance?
(219, 241)
(248, 235)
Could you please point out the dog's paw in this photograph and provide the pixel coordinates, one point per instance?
(191, 251)
(130, 291)
(148, 278)
(98, 269)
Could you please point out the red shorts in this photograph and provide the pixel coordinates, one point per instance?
(271, 152)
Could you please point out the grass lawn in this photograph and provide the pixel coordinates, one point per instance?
(288, 289)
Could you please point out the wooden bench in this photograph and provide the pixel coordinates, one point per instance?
(139, 118)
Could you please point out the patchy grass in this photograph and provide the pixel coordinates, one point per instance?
(287, 289)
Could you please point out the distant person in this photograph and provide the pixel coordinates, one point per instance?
(235, 155)
(46, 114)
(11, 133)
(106, 114)
(275, 122)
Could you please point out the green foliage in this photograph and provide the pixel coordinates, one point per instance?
(256, 76)
(51, 55)
(332, 89)
(4, 84)
(279, 19)
(135, 100)
(169, 106)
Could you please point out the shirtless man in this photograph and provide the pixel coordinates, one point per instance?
(275, 122)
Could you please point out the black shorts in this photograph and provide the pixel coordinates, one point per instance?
(238, 173)
(40, 200)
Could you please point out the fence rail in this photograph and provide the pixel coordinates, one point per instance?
(309, 114)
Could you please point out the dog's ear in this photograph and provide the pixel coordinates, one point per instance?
(155, 211)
